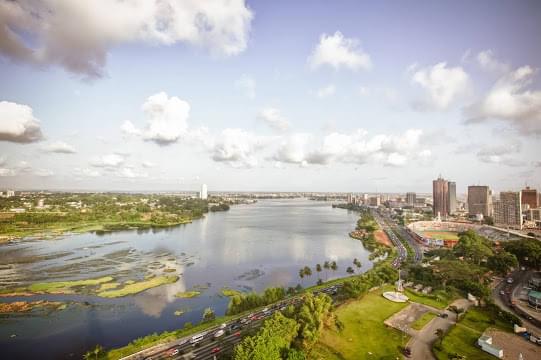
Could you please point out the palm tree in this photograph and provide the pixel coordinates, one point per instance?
(456, 310)
(88, 355)
(439, 333)
(334, 267)
(326, 266)
(318, 268)
(307, 271)
(97, 351)
(350, 270)
(301, 274)
(357, 263)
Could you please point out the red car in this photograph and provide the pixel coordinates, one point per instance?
(215, 350)
(237, 333)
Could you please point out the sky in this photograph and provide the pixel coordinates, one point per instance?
(353, 96)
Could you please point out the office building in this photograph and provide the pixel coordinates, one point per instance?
(530, 198)
(480, 201)
(350, 198)
(508, 210)
(440, 196)
(411, 198)
(203, 195)
(451, 197)
(375, 201)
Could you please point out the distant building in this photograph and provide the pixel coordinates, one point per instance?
(451, 196)
(480, 201)
(411, 198)
(7, 194)
(508, 210)
(530, 198)
(203, 195)
(440, 195)
(350, 198)
(375, 201)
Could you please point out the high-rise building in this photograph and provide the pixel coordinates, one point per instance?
(451, 197)
(375, 201)
(479, 200)
(440, 196)
(508, 210)
(410, 198)
(203, 195)
(350, 198)
(529, 197)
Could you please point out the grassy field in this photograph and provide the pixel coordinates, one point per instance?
(442, 235)
(423, 320)
(364, 334)
(463, 337)
(438, 299)
(139, 286)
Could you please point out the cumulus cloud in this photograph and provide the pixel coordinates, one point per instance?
(503, 154)
(18, 124)
(108, 161)
(167, 120)
(7, 172)
(147, 164)
(43, 172)
(237, 148)
(77, 35)
(129, 173)
(59, 147)
(3, 160)
(356, 147)
(338, 51)
(511, 101)
(274, 119)
(442, 85)
(247, 84)
(487, 61)
(326, 91)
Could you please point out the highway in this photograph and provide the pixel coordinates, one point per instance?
(215, 341)
(403, 233)
(402, 251)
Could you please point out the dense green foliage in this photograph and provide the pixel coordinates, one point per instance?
(359, 285)
(244, 302)
(527, 251)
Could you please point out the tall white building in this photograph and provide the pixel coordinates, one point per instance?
(203, 195)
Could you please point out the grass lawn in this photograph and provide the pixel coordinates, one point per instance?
(137, 287)
(463, 337)
(423, 320)
(364, 334)
(439, 299)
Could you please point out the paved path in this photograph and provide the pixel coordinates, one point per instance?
(421, 341)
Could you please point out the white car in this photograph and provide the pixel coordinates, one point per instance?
(223, 326)
(219, 333)
(510, 280)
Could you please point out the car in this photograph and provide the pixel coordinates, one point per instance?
(510, 280)
(172, 352)
(237, 333)
(197, 338)
(234, 327)
(217, 349)
(223, 326)
(219, 333)
(444, 315)
(502, 292)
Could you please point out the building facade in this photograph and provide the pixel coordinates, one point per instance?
(530, 198)
(480, 201)
(508, 210)
(203, 194)
(411, 198)
(451, 197)
(440, 195)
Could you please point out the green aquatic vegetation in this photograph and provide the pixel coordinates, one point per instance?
(66, 286)
(137, 287)
(230, 292)
(187, 294)
(108, 286)
(179, 312)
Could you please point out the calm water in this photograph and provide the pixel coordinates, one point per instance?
(249, 247)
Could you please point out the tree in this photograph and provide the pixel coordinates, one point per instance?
(350, 270)
(439, 334)
(456, 310)
(502, 262)
(97, 351)
(318, 269)
(473, 246)
(307, 271)
(301, 274)
(208, 315)
(88, 355)
(357, 263)
(312, 315)
(326, 266)
(334, 267)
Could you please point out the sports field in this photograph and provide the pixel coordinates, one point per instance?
(441, 235)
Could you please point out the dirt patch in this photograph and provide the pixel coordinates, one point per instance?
(513, 345)
(382, 238)
(403, 319)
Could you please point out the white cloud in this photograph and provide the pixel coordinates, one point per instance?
(509, 100)
(292, 149)
(59, 147)
(338, 51)
(443, 86)
(503, 154)
(326, 91)
(43, 172)
(148, 164)
(247, 84)
(488, 62)
(129, 173)
(86, 172)
(3, 160)
(167, 120)
(7, 172)
(107, 161)
(18, 124)
(237, 148)
(274, 119)
(77, 35)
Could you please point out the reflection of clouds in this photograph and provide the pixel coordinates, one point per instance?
(280, 277)
(298, 247)
(153, 301)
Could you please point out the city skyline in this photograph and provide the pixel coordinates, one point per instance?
(266, 99)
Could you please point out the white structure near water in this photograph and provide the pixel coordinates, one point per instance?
(203, 194)
(485, 342)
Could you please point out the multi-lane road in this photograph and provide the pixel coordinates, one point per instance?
(214, 342)
(402, 251)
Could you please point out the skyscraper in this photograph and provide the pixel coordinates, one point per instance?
(203, 194)
(479, 200)
(410, 198)
(529, 197)
(440, 196)
(451, 197)
(508, 210)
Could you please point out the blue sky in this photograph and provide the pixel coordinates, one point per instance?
(258, 95)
